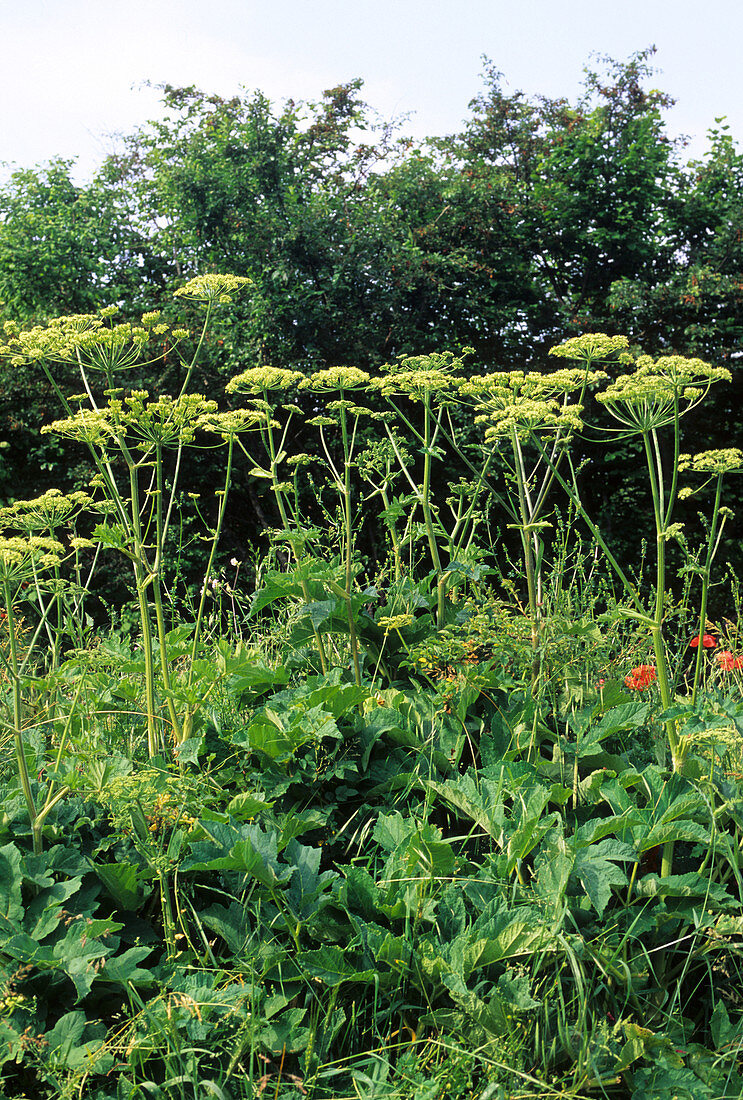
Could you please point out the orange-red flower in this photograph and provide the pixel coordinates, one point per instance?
(641, 677)
(708, 641)
(728, 661)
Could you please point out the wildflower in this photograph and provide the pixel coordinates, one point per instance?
(260, 379)
(395, 622)
(336, 378)
(727, 460)
(728, 661)
(659, 391)
(419, 377)
(528, 402)
(591, 346)
(45, 512)
(22, 558)
(641, 677)
(229, 424)
(212, 289)
(708, 641)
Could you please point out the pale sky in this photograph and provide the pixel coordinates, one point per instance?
(72, 71)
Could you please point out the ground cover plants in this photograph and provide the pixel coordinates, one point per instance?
(458, 818)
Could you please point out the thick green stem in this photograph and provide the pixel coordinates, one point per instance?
(348, 536)
(525, 531)
(212, 553)
(271, 446)
(18, 716)
(141, 579)
(712, 543)
(157, 598)
(427, 514)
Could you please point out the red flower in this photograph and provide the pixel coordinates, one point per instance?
(641, 677)
(708, 641)
(728, 661)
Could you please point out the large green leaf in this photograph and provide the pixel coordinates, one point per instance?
(11, 909)
(333, 967)
(124, 882)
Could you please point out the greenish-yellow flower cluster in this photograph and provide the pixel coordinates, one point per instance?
(658, 391)
(528, 402)
(725, 460)
(336, 378)
(22, 559)
(45, 512)
(167, 421)
(591, 347)
(212, 289)
(232, 423)
(395, 622)
(420, 376)
(85, 426)
(87, 339)
(262, 379)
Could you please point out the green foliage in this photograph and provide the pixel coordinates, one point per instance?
(392, 816)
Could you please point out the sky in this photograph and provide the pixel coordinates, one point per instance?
(74, 73)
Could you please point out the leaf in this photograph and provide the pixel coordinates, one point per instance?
(515, 991)
(483, 806)
(722, 1030)
(229, 922)
(110, 535)
(320, 611)
(44, 912)
(673, 831)
(392, 830)
(80, 949)
(597, 873)
(599, 828)
(245, 806)
(124, 970)
(553, 869)
(518, 935)
(691, 885)
(597, 877)
(10, 885)
(66, 1034)
(307, 882)
(187, 752)
(123, 882)
(330, 966)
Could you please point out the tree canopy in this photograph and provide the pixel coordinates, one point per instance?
(539, 220)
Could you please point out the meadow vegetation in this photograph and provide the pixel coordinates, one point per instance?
(459, 815)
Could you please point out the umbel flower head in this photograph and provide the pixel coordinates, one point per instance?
(591, 347)
(416, 376)
(336, 378)
(44, 513)
(21, 559)
(659, 391)
(723, 461)
(528, 402)
(212, 289)
(262, 379)
(233, 422)
(167, 421)
(88, 339)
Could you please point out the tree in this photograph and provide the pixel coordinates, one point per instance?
(591, 186)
